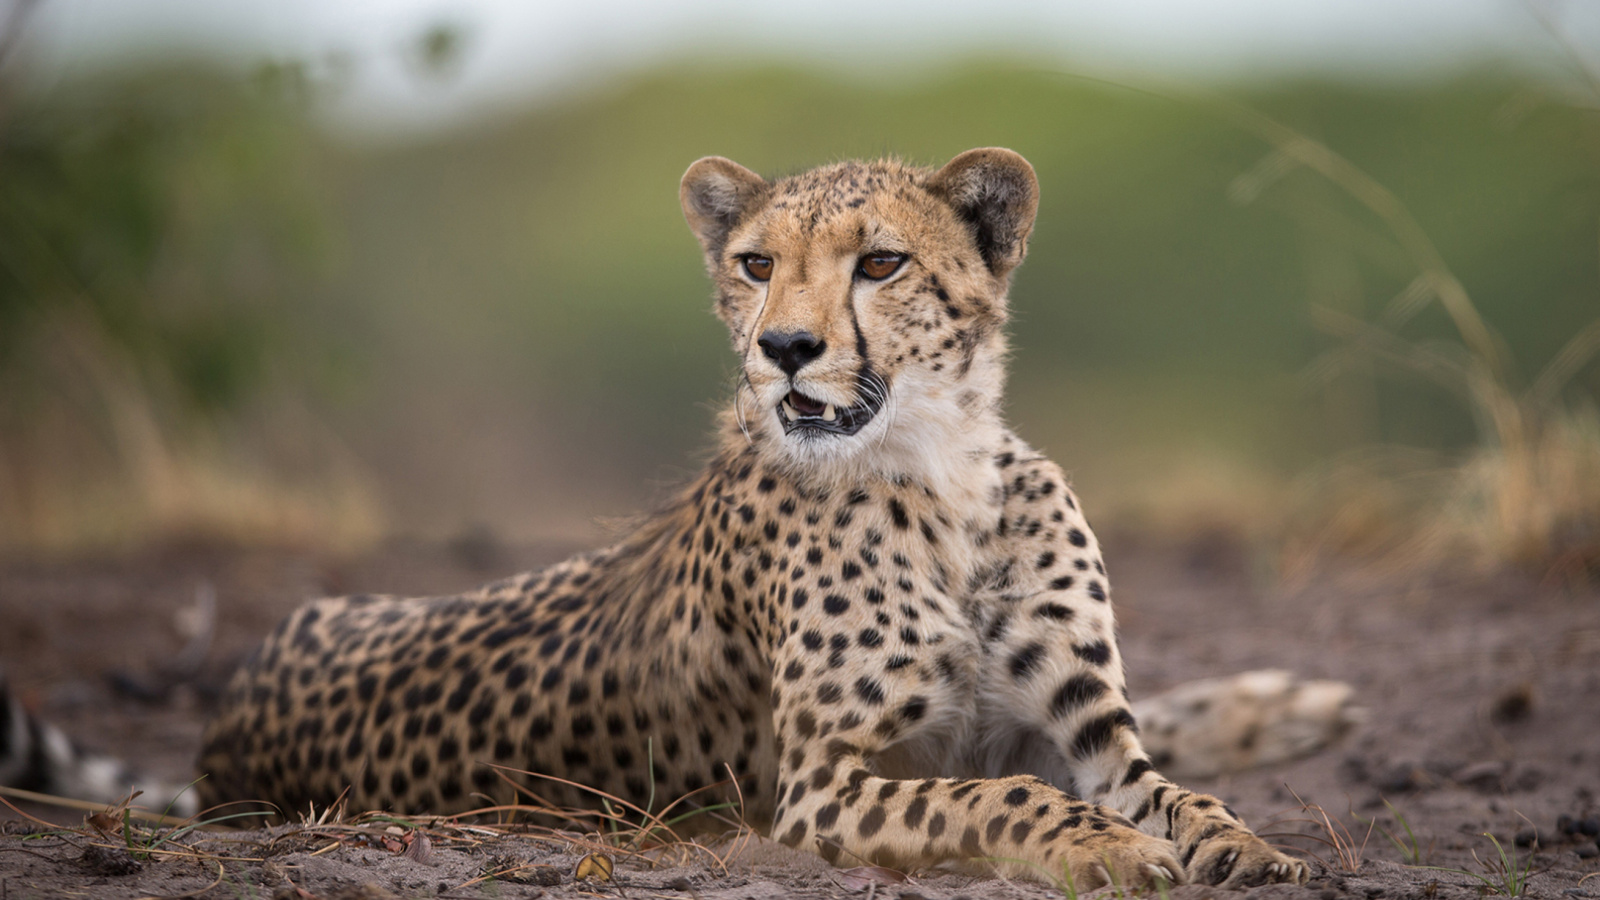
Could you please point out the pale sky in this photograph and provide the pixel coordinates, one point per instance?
(518, 48)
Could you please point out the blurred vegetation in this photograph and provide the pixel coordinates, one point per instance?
(160, 232)
(507, 323)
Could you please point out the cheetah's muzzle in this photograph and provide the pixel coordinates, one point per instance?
(810, 417)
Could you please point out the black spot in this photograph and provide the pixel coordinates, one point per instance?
(870, 691)
(1098, 653)
(1075, 692)
(1062, 583)
(872, 822)
(1096, 591)
(1046, 559)
(827, 816)
(915, 810)
(1097, 734)
(1026, 661)
(1054, 611)
(1076, 538)
(1017, 796)
(1135, 770)
(835, 604)
(898, 513)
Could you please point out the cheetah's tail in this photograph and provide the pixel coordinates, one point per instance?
(1206, 728)
(37, 756)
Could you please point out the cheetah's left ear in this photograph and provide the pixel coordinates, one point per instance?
(996, 192)
(715, 194)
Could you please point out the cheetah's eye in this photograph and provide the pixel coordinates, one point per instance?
(758, 267)
(878, 266)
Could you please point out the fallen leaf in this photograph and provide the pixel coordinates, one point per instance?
(594, 867)
(419, 849)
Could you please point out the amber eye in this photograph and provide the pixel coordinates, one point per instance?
(879, 266)
(758, 267)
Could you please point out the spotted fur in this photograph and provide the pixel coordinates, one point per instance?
(898, 640)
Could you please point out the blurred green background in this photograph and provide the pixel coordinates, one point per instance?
(224, 316)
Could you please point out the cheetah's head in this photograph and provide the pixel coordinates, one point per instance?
(865, 299)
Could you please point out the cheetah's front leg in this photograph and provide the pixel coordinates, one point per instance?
(1053, 667)
(830, 803)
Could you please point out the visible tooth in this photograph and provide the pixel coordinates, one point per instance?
(788, 411)
(829, 413)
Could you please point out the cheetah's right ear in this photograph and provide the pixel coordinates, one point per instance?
(996, 192)
(715, 194)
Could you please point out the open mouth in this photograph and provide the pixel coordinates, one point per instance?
(799, 412)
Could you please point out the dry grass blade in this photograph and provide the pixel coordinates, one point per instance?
(1319, 158)
(641, 841)
(1347, 853)
(84, 805)
(1567, 362)
(1528, 492)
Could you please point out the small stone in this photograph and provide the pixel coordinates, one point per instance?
(1527, 837)
(1589, 826)
(1587, 851)
(1513, 704)
(1564, 824)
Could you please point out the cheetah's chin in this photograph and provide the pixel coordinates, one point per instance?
(808, 416)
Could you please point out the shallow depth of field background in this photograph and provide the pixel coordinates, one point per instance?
(242, 300)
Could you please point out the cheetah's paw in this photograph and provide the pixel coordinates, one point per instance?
(1239, 859)
(1128, 858)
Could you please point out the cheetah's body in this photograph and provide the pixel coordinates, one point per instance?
(873, 580)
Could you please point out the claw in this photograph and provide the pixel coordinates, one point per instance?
(1156, 871)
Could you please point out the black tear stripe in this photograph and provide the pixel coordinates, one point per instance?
(861, 339)
(867, 378)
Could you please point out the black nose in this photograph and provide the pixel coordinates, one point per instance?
(791, 349)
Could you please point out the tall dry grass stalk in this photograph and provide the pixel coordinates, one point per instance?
(107, 463)
(1525, 494)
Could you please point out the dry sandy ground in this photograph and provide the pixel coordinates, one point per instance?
(1483, 700)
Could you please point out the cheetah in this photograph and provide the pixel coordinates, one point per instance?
(877, 615)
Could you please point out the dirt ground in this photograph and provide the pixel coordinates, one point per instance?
(1483, 697)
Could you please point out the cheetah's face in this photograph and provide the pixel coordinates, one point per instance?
(864, 299)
